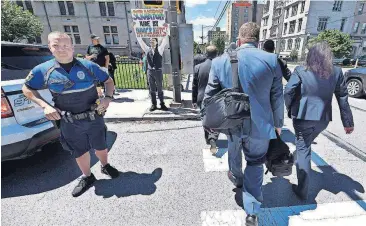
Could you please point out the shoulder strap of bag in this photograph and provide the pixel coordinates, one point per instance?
(234, 68)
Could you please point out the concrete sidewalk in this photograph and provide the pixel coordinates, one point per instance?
(133, 105)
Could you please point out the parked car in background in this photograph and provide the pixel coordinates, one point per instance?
(361, 61)
(342, 61)
(356, 82)
(24, 128)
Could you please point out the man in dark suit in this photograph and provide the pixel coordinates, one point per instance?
(261, 78)
(198, 58)
(200, 80)
(269, 46)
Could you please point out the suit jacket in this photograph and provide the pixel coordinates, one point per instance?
(198, 59)
(309, 97)
(261, 78)
(286, 73)
(200, 80)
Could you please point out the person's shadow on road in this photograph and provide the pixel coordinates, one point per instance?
(128, 184)
(45, 171)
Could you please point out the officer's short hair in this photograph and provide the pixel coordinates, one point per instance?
(57, 34)
(211, 51)
(269, 46)
(249, 32)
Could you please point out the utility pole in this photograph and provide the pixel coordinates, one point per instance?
(174, 35)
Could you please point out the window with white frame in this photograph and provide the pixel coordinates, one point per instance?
(355, 27)
(26, 5)
(360, 9)
(287, 12)
(337, 6)
(73, 32)
(322, 23)
(289, 44)
(285, 28)
(106, 9)
(292, 27)
(343, 22)
(264, 33)
(302, 7)
(66, 8)
(297, 43)
(282, 45)
(300, 25)
(294, 10)
(111, 35)
(363, 30)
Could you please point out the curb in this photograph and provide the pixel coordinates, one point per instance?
(345, 145)
(151, 118)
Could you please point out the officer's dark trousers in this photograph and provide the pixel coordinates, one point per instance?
(306, 132)
(156, 84)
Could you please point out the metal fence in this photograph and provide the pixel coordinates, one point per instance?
(130, 75)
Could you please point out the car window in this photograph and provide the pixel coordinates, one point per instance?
(23, 58)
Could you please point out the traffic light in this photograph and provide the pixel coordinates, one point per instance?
(154, 3)
(179, 6)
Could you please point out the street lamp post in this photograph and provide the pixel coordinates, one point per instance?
(202, 32)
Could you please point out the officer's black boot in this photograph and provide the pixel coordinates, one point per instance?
(153, 107)
(84, 184)
(251, 220)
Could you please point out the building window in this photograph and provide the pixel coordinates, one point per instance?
(111, 35)
(70, 8)
(297, 43)
(292, 27)
(282, 45)
(287, 12)
(337, 6)
(363, 30)
(355, 27)
(302, 7)
(103, 8)
(264, 33)
(300, 24)
(73, 32)
(322, 23)
(360, 10)
(294, 10)
(289, 44)
(285, 28)
(265, 21)
(26, 5)
(342, 24)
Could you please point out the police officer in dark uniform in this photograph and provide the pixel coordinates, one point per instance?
(72, 85)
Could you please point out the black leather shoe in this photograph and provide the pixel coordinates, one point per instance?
(297, 193)
(163, 107)
(110, 171)
(153, 108)
(251, 220)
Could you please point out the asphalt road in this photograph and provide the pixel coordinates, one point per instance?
(165, 179)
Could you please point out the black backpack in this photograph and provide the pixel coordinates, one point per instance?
(225, 111)
(279, 160)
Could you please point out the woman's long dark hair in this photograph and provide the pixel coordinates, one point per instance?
(320, 60)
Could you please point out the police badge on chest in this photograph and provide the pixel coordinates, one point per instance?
(81, 75)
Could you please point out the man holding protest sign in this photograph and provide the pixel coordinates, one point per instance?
(151, 24)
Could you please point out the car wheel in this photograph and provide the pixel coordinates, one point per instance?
(354, 88)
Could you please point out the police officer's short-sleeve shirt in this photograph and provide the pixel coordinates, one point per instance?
(74, 91)
(58, 78)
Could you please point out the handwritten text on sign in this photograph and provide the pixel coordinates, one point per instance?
(150, 23)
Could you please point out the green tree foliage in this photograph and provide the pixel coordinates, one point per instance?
(18, 24)
(340, 42)
(219, 42)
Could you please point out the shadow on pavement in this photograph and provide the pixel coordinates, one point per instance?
(128, 184)
(279, 196)
(123, 100)
(47, 170)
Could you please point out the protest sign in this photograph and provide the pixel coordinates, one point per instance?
(150, 23)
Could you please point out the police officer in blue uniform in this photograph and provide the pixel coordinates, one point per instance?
(72, 84)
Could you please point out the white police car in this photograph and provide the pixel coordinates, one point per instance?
(24, 128)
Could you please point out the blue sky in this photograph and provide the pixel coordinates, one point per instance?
(202, 12)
